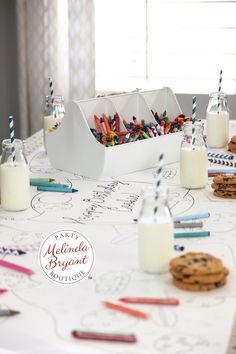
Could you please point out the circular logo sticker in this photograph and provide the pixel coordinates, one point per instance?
(66, 256)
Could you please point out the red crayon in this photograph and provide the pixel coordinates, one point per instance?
(121, 133)
(111, 337)
(2, 291)
(146, 300)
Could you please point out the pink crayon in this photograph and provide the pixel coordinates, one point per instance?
(15, 267)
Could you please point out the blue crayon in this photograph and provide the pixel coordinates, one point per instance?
(192, 234)
(223, 171)
(48, 184)
(192, 217)
(59, 190)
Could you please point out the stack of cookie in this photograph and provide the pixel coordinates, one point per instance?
(198, 271)
(224, 186)
(232, 144)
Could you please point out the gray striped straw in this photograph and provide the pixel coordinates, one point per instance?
(194, 106)
(194, 109)
(159, 170)
(220, 82)
(12, 138)
(51, 89)
(158, 182)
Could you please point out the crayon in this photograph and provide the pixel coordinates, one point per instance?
(7, 312)
(15, 267)
(233, 171)
(2, 291)
(128, 310)
(192, 234)
(192, 217)
(104, 336)
(41, 180)
(57, 189)
(146, 300)
(48, 184)
(107, 126)
(98, 124)
(191, 225)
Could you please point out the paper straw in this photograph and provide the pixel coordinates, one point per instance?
(12, 138)
(220, 82)
(223, 162)
(159, 170)
(194, 109)
(220, 156)
(194, 105)
(158, 173)
(51, 89)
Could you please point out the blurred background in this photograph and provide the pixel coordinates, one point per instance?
(97, 46)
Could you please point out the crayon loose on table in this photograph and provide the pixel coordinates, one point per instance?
(15, 267)
(103, 336)
(232, 171)
(192, 217)
(7, 312)
(192, 234)
(191, 225)
(146, 300)
(2, 291)
(57, 189)
(49, 184)
(41, 180)
(128, 310)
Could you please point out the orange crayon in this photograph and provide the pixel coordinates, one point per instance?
(125, 309)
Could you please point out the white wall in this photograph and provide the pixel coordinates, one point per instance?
(185, 102)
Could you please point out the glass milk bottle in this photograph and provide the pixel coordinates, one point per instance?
(14, 177)
(193, 157)
(217, 120)
(54, 112)
(155, 231)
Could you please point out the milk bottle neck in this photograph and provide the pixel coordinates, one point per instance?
(58, 107)
(218, 103)
(193, 136)
(7, 148)
(155, 208)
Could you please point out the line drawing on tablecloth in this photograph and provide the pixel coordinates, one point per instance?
(179, 343)
(112, 282)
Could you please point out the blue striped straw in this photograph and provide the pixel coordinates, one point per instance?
(12, 138)
(220, 156)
